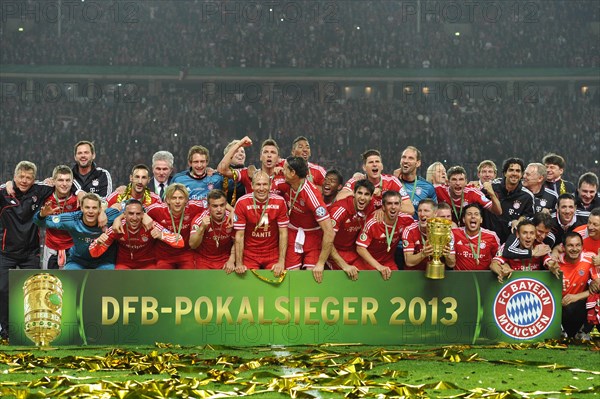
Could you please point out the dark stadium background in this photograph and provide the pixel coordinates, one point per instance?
(463, 81)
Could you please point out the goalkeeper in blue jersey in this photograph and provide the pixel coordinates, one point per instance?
(83, 227)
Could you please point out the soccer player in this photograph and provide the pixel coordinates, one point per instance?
(19, 236)
(378, 240)
(444, 211)
(373, 167)
(544, 199)
(162, 167)
(474, 246)
(577, 269)
(310, 234)
(587, 196)
(555, 167)
(333, 184)
(176, 214)
(417, 249)
(235, 189)
(87, 176)
(260, 223)
(211, 237)
(486, 171)
(457, 194)
(269, 158)
(566, 219)
(544, 239)
(436, 174)
(504, 267)
(61, 201)
(135, 246)
(516, 201)
(301, 148)
(83, 227)
(591, 235)
(348, 218)
(136, 189)
(416, 187)
(196, 179)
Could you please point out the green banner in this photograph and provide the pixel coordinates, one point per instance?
(192, 307)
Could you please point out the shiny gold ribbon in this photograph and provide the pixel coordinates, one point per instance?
(276, 280)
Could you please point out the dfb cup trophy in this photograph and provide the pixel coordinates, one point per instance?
(42, 294)
(439, 234)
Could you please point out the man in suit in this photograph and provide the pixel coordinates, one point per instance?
(162, 167)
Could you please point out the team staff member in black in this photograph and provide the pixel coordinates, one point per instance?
(587, 197)
(566, 219)
(516, 201)
(86, 175)
(544, 198)
(19, 237)
(555, 167)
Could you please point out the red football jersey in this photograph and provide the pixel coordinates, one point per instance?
(465, 252)
(412, 242)
(306, 207)
(471, 195)
(374, 237)
(524, 265)
(576, 275)
(160, 213)
(589, 244)
(316, 173)
(218, 239)
(60, 239)
(261, 231)
(347, 224)
(134, 248)
(386, 183)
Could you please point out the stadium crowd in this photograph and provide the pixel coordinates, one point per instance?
(305, 34)
(340, 130)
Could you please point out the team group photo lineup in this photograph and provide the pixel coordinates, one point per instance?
(172, 165)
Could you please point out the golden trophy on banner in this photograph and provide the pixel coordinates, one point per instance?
(42, 294)
(439, 234)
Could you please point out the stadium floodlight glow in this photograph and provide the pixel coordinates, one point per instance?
(456, 33)
(20, 29)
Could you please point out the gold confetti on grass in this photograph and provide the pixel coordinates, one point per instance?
(157, 373)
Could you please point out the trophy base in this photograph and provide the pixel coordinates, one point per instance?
(435, 270)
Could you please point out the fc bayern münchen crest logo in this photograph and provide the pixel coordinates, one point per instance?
(524, 308)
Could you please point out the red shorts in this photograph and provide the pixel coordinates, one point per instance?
(361, 264)
(205, 263)
(312, 249)
(183, 261)
(135, 265)
(351, 258)
(262, 261)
